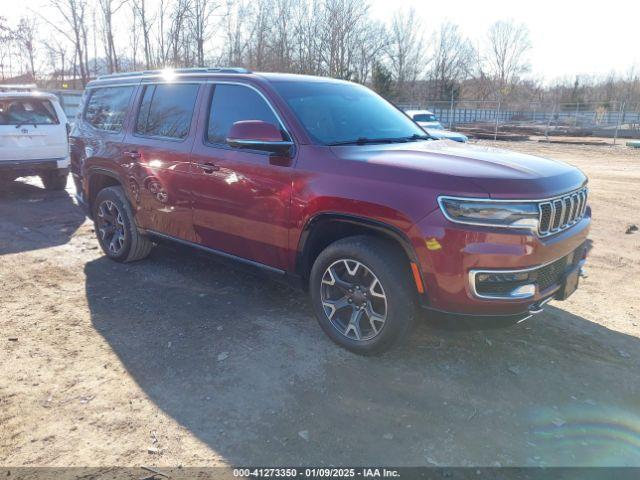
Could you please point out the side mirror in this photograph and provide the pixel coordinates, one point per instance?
(258, 135)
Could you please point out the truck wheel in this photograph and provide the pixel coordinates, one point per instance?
(361, 294)
(55, 180)
(116, 228)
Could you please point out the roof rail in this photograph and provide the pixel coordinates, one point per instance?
(176, 71)
(18, 87)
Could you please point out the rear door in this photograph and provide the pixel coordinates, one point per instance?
(157, 155)
(241, 201)
(97, 139)
(32, 128)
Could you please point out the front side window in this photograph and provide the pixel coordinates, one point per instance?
(107, 107)
(334, 113)
(27, 111)
(166, 110)
(234, 103)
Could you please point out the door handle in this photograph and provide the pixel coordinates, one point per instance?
(132, 154)
(209, 167)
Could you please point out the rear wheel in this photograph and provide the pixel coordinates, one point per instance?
(361, 294)
(116, 229)
(55, 179)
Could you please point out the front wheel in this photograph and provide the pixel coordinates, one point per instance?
(361, 294)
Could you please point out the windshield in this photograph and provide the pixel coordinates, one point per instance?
(27, 111)
(333, 113)
(425, 117)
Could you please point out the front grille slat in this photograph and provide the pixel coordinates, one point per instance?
(557, 206)
(561, 212)
(545, 217)
(574, 207)
(567, 211)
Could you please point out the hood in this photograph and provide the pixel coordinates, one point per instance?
(500, 173)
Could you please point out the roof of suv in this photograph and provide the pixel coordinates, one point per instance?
(16, 94)
(181, 73)
(418, 112)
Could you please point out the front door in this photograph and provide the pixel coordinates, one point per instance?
(241, 201)
(157, 155)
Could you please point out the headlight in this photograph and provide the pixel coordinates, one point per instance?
(490, 213)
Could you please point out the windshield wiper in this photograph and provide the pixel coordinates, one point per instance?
(416, 136)
(366, 141)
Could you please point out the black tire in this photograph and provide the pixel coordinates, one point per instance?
(389, 265)
(134, 246)
(55, 180)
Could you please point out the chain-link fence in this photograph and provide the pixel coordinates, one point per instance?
(516, 121)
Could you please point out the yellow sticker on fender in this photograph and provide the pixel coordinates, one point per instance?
(433, 244)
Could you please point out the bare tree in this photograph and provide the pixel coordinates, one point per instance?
(308, 27)
(109, 8)
(237, 16)
(451, 62)
(342, 23)
(57, 52)
(145, 21)
(74, 29)
(177, 37)
(260, 35)
(199, 20)
(25, 36)
(506, 58)
(405, 50)
(5, 52)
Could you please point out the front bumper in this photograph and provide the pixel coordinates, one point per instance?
(449, 253)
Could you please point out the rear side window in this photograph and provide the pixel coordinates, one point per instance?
(233, 103)
(107, 107)
(27, 111)
(166, 110)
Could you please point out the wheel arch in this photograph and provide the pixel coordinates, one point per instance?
(100, 179)
(325, 228)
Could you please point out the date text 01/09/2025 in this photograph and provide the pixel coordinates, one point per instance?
(315, 473)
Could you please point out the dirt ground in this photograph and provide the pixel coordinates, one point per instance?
(180, 360)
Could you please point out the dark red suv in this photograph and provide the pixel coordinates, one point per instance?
(325, 183)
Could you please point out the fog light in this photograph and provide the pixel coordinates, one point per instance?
(495, 277)
(528, 290)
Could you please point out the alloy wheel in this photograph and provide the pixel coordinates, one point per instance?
(353, 299)
(111, 227)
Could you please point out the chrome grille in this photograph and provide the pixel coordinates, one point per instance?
(545, 216)
(560, 213)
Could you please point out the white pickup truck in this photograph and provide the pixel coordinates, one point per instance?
(33, 137)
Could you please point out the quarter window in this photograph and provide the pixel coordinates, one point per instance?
(234, 103)
(166, 110)
(107, 107)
